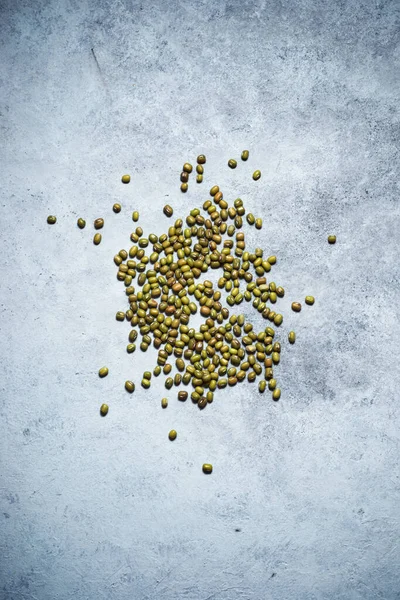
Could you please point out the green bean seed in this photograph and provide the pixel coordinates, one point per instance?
(103, 410)
(232, 163)
(309, 300)
(256, 175)
(81, 223)
(97, 239)
(172, 435)
(245, 155)
(275, 358)
(99, 223)
(125, 178)
(331, 239)
(250, 219)
(276, 394)
(214, 190)
(207, 468)
(168, 210)
(103, 372)
(51, 219)
(129, 386)
(202, 402)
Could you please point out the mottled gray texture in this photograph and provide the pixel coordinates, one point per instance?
(304, 501)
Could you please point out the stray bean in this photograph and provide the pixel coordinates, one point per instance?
(103, 410)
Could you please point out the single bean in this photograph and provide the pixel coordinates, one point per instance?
(99, 223)
(202, 402)
(214, 190)
(168, 210)
(129, 386)
(276, 394)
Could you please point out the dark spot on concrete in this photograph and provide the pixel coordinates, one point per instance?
(27, 432)
(238, 529)
(95, 60)
(273, 575)
(12, 498)
(6, 515)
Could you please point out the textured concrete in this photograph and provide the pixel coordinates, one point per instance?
(304, 501)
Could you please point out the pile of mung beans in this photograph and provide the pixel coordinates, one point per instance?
(164, 286)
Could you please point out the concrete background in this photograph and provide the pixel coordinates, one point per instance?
(304, 501)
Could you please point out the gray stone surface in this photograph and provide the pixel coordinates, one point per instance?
(304, 501)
